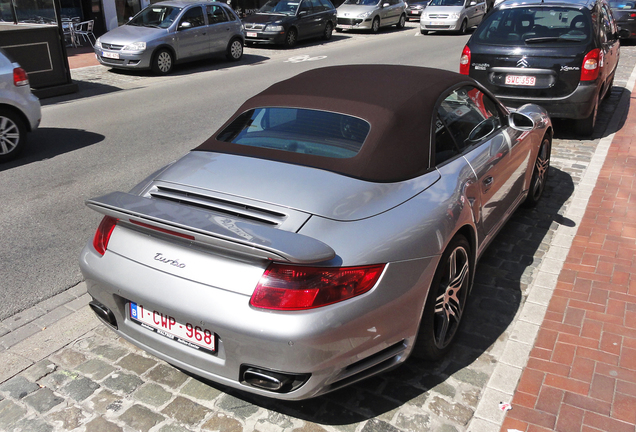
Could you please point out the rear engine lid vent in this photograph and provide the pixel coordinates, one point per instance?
(230, 206)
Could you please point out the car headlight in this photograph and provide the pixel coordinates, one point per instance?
(274, 28)
(454, 16)
(136, 46)
(98, 43)
(364, 15)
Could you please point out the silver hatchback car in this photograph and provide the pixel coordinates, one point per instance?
(170, 32)
(370, 14)
(20, 110)
(453, 15)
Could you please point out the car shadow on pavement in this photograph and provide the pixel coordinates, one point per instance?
(503, 275)
(104, 80)
(565, 128)
(46, 143)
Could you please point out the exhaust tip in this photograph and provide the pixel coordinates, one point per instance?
(104, 313)
(278, 382)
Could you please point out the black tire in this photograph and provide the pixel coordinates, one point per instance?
(446, 301)
(401, 23)
(375, 25)
(608, 92)
(424, 32)
(12, 134)
(585, 127)
(234, 50)
(162, 62)
(291, 38)
(328, 31)
(464, 28)
(539, 173)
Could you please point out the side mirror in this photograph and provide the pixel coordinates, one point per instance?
(519, 121)
(185, 25)
(472, 3)
(385, 5)
(623, 33)
(302, 12)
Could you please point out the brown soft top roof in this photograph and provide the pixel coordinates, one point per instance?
(398, 102)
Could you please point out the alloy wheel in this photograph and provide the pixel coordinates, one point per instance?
(541, 167)
(9, 135)
(451, 296)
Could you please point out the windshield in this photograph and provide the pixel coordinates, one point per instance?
(362, 2)
(622, 4)
(155, 16)
(284, 7)
(298, 130)
(534, 25)
(447, 3)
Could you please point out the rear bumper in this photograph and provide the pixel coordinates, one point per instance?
(577, 105)
(335, 345)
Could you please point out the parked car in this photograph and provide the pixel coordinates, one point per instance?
(327, 231)
(20, 110)
(414, 9)
(559, 54)
(625, 15)
(452, 15)
(172, 32)
(285, 22)
(371, 14)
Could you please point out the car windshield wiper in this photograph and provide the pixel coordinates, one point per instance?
(551, 39)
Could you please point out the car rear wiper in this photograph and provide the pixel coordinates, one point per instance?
(551, 39)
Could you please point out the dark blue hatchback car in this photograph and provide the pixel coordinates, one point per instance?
(559, 54)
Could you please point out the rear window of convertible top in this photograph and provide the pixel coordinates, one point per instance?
(298, 130)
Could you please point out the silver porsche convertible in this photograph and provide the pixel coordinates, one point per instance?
(323, 234)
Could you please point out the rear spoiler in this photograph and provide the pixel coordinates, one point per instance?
(239, 236)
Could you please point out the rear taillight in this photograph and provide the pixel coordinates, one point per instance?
(464, 61)
(102, 235)
(288, 287)
(20, 77)
(591, 65)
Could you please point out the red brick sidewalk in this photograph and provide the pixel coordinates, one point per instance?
(581, 374)
(81, 57)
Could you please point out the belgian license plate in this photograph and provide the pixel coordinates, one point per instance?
(251, 34)
(521, 80)
(163, 324)
(345, 26)
(110, 55)
(436, 23)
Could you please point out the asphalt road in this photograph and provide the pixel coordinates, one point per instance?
(91, 145)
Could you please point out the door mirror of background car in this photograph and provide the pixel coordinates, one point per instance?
(302, 13)
(623, 33)
(472, 3)
(185, 25)
(385, 5)
(520, 121)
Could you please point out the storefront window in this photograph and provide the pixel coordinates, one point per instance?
(28, 11)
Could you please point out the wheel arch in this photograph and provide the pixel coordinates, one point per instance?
(169, 48)
(17, 111)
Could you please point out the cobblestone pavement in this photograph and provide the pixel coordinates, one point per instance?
(61, 369)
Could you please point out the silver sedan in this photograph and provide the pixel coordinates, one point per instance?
(328, 231)
(171, 32)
